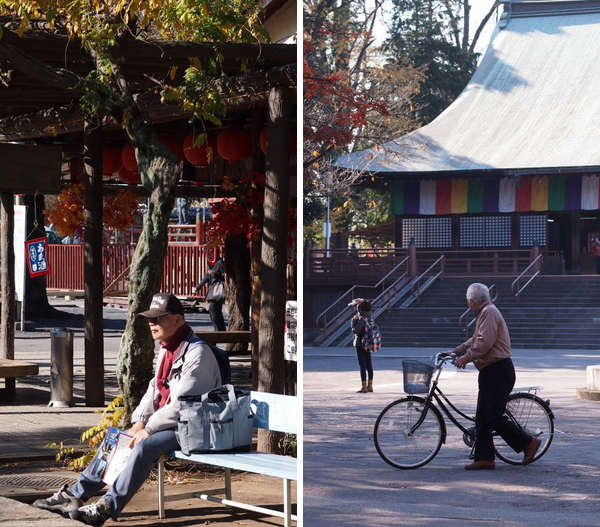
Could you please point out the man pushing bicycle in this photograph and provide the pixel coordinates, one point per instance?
(489, 349)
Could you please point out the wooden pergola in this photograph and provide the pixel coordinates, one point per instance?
(42, 127)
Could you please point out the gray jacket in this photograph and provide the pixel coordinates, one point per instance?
(195, 371)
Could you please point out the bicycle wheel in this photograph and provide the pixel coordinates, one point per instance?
(398, 444)
(534, 416)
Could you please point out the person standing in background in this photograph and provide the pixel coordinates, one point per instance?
(596, 246)
(358, 327)
(215, 277)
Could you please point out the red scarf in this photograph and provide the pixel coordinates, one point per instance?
(164, 370)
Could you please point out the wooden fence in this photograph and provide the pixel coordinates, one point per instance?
(184, 266)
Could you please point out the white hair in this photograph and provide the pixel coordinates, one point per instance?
(478, 293)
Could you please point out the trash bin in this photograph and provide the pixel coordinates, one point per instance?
(61, 368)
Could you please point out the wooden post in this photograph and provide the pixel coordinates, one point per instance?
(258, 163)
(413, 264)
(92, 266)
(271, 367)
(7, 282)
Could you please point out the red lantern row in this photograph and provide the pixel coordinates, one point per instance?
(234, 144)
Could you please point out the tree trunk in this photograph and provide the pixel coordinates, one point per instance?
(271, 372)
(237, 265)
(7, 273)
(258, 164)
(92, 264)
(136, 357)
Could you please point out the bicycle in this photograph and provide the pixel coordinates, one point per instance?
(409, 432)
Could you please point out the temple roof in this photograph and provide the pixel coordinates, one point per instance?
(532, 105)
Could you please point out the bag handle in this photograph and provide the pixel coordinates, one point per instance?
(230, 392)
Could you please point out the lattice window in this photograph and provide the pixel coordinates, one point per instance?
(533, 229)
(485, 231)
(429, 233)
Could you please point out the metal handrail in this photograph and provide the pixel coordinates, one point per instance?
(322, 317)
(417, 282)
(468, 324)
(516, 281)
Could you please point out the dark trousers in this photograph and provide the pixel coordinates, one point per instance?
(215, 310)
(496, 381)
(365, 363)
(597, 264)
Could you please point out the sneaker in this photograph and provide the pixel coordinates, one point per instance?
(92, 514)
(61, 502)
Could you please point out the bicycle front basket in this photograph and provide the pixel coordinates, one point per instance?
(417, 376)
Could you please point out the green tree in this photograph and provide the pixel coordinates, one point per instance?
(434, 37)
(99, 27)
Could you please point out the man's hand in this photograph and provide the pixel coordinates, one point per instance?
(138, 437)
(138, 433)
(461, 362)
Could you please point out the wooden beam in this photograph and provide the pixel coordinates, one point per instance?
(29, 169)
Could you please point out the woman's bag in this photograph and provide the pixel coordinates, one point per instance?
(218, 421)
(216, 292)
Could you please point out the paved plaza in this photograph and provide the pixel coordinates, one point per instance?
(347, 483)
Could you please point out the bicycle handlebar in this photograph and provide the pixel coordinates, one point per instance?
(443, 357)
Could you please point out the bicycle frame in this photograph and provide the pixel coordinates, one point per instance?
(436, 394)
(409, 432)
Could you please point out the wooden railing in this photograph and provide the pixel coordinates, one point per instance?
(320, 264)
(359, 263)
(184, 266)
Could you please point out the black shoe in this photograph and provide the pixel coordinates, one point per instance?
(61, 502)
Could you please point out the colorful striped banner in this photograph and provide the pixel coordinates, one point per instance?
(524, 194)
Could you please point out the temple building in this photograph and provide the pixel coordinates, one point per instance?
(514, 161)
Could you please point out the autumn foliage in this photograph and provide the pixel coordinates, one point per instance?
(238, 216)
(66, 213)
(335, 109)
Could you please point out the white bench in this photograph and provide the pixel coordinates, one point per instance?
(271, 412)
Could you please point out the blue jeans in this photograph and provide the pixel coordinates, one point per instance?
(144, 457)
(364, 362)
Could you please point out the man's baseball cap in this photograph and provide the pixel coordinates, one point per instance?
(163, 304)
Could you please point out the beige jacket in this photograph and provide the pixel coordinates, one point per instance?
(490, 342)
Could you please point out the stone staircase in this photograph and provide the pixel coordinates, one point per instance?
(552, 314)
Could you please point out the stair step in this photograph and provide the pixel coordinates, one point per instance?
(550, 314)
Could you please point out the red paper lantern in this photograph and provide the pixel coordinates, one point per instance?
(200, 156)
(234, 143)
(128, 158)
(263, 141)
(111, 159)
(129, 177)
